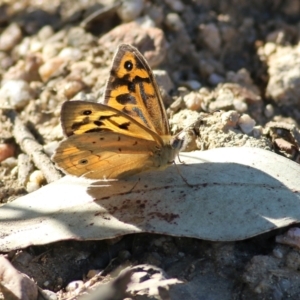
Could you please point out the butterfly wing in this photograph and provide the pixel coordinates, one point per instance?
(100, 155)
(81, 117)
(132, 89)
(127, 134)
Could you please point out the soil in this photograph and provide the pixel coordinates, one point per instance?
(231, 60)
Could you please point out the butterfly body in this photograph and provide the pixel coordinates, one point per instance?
(126, 135)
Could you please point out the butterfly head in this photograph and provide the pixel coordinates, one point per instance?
(177, 142)
(171, 149)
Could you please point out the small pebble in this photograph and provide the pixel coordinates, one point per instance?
(24, 47)
(133, 33)
(215, 79)
(15, 93)
(36, 179)
(46, 283)
(145, 22)
(241, 77)
(124, 255)
(92, 273)
(257, 131)
(277, 36)
(74, 285)
(277, 253)
(45, 33)
(174, 22)
(31, 187)
(258, 289)
(23, 258)
(37, 176)
(72, 88)
(175, 5)
(193, 100)
(51, 50)
(50, 67)
(32, 62)
(284, 284)
(246, 123)
(291, 237)
(50, 295)
(291, 8)
(6, 61)
(283, 69)
(156, 14)
(292, 260)
(10, 37)
(6, 151)
(269, 111)
(58, 37)
(84, 96)
(153, 258)
(163, 80)
(210, 35)
(14, 171)
(35, 45)
(192, 84)
(59, 282)
(182, 90)
(240, 106)
(10, 162)
(70, 53)
(78, 37)
(130, 10)
(269, 48)
(285, 146)
(230, 118)
(160, 241)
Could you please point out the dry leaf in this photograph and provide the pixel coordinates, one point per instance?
(236, 193)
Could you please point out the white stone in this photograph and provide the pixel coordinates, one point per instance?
(129, 10)
(246, 123)
(15, 93)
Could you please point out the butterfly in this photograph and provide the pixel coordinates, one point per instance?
(127, 134)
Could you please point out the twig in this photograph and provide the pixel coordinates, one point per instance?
(100, 14)
(31, 147)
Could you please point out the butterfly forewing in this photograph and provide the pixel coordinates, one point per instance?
(132, 89)
(88, 117)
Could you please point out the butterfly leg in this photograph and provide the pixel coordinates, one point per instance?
(181, 161)
(134, 186)
(182, 177)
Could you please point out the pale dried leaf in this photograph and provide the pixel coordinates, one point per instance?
(236, 193)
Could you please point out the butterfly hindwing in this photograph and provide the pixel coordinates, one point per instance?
(132, 89)
(106, 155)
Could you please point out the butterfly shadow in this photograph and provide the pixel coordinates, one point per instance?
(222, 201)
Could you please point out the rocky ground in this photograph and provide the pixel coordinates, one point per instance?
(235, 63)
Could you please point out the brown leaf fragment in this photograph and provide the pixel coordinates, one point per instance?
(15, 285)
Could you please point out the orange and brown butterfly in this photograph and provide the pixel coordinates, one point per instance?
(126, 135)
